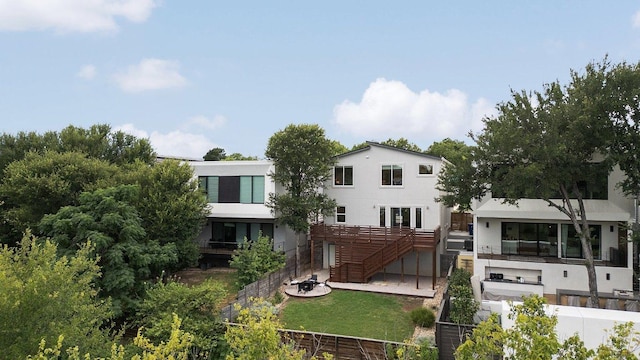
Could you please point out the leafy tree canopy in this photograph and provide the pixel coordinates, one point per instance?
(455, 151)
(106, 218)
(239, 157)
(44, 295)
(215, 154)
(171, 208)
(253, 259)
(41, 184)
(97, 142)
(198, 307)
(401, 143)
(338, 148)
(257, 337)
(303, 159)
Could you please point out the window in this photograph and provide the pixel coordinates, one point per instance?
(383, 216)
(233, 189)
(425, 169)
(530, 239)
(252, 189)
(341, 214)
(392, 175)
(418, 218)
(343, 176)
(571, 246)
(401, 217)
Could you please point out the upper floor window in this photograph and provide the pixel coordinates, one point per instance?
(392, 175)
(425, 169)
(343, 175)
(233, 189)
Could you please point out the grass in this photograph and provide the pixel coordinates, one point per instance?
(353, 313)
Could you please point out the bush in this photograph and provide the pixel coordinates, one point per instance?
(460, 277)
(423, 317)
(253, 259)
(463, 306)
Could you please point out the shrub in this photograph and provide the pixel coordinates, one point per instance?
(460, 277)
(423, 317)
(253, 259)
(462, 304)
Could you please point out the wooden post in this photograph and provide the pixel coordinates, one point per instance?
(433, 269)
(312, 255)
(417, 269)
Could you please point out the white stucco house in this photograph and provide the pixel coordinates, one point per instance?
(532, 247)
(380, 189)
(236, 193)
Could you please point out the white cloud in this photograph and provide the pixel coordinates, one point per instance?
(203, 122)
(635, 19)
(87, 72)
(390, 109)
(174, 143)
(150, 74)
(71, 15)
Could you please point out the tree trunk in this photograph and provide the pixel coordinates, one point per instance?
(579, 221)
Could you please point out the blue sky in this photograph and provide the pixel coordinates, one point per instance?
(193, 75)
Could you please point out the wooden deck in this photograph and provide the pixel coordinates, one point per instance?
(363, 251)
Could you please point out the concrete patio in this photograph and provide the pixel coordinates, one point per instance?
(381, 283)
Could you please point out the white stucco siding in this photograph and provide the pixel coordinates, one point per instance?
(552, 275)
(238, 168)
(367, 195)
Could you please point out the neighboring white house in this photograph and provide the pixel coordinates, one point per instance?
(533, 248)
(236, 193)
(383, 186)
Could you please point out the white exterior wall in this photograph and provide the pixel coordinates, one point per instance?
(364, 199)
(238, 168)
(490, 214)
(591, 325)
(284, 238)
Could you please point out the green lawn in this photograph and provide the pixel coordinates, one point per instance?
(353, 313)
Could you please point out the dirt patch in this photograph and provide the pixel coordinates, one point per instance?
(409, 303)
(194, 276)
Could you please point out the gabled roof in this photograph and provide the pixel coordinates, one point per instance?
(376, 144)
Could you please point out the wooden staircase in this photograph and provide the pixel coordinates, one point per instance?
(361, 252)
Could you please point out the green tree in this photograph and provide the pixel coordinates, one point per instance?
(533, 336)
(455, 151)
(107, 219)
(170, 206)
(402, 143)
(176, 347)
(239, 157)
(41, 184)
(257, 336)
(97, 142)
(546, 145)
(303, 159)
(215, 154)
(198, 307)
(253, 259)
(44, 295)
(338, 148)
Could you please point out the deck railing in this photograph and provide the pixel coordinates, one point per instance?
(362, 251)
